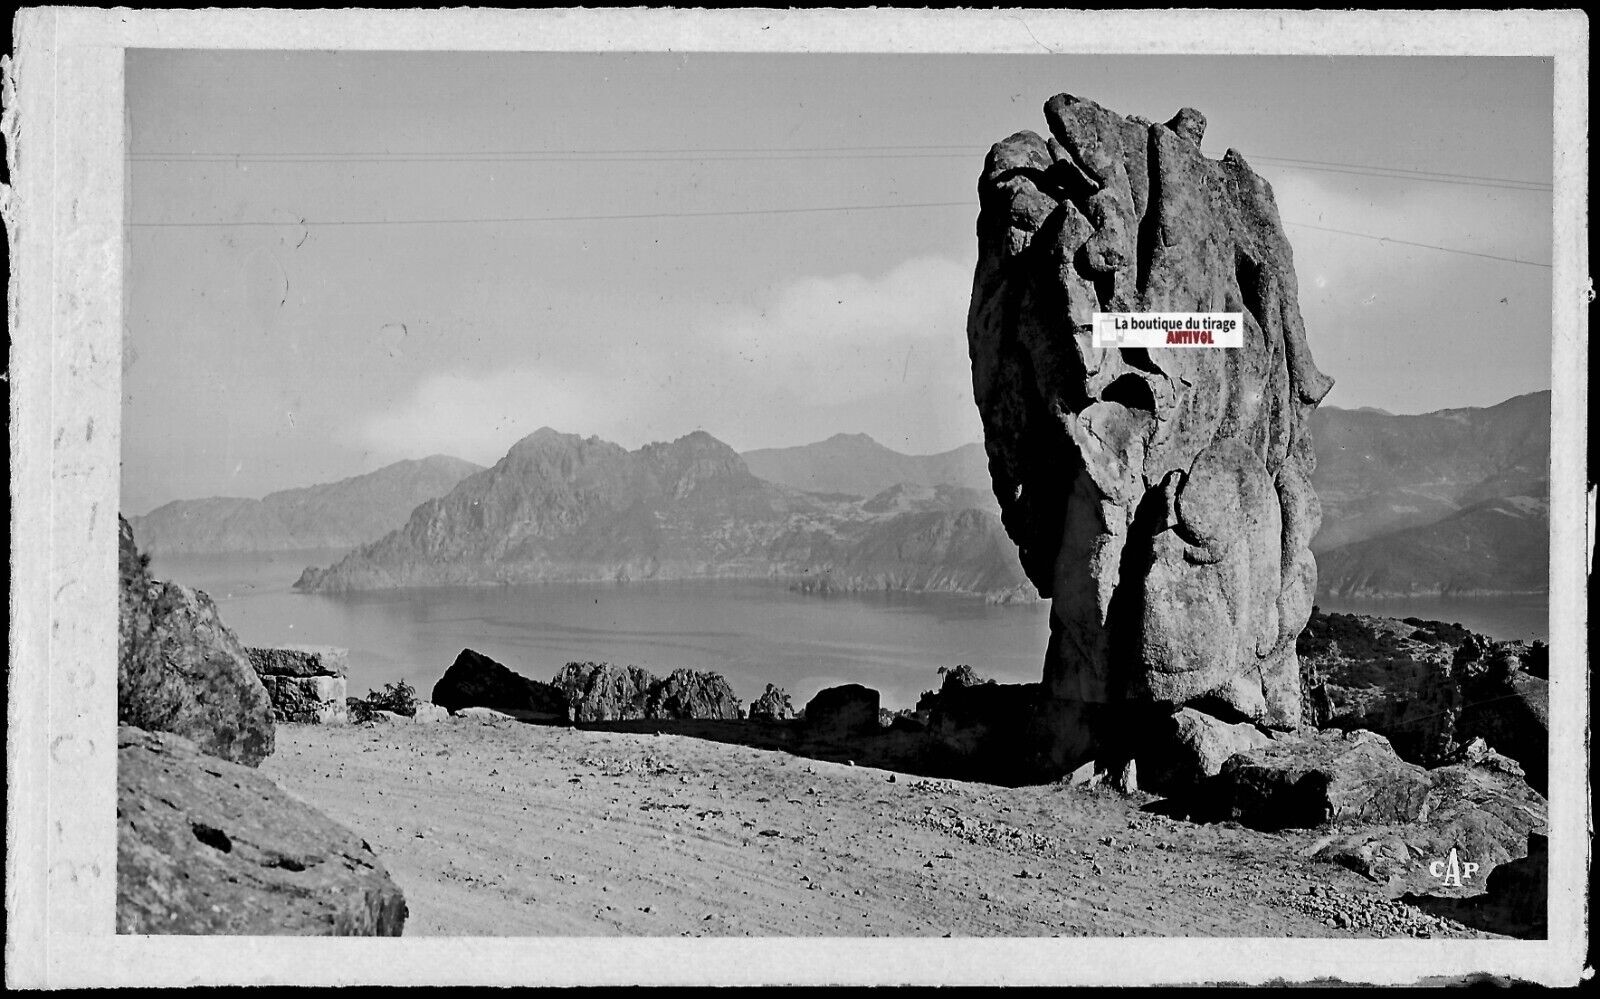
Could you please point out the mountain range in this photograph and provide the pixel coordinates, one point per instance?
(568, 508)
(339, 514)
(859, 466)
(1454, 502)
(1449, 503)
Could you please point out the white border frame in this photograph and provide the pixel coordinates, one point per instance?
(64, 127)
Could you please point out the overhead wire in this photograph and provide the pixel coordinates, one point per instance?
(757, 153)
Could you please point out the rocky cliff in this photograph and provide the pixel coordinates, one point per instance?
(339, 514)
(1161, 498)
(562, 507)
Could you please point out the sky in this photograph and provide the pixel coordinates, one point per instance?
(423, 270)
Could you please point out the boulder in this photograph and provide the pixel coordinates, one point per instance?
(180, 669)
(475, 680)
(1161, 498)
(308, 699)
(205, 846)
(687, 693)
(1185, 748)
(841, 712)
(1323, 777)
(390, 718)
(772, 705)
(597, 692)
(1483, 812)
(430, 714)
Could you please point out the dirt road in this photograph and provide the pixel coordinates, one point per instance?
(522, 830)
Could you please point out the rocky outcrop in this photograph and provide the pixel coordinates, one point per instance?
(305, 683)
(1392, 677)
(180, 669)
(1392, 821)
(209, 847)
(598, 692)
(842, 712)
(772, 705)
(1324, 777)
(1479, 811)
(1160, 498)
(1429, 687)
(687, 693)
(475, 680)
(601, 692)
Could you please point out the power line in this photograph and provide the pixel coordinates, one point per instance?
(549, 218)
(1407, 242)
(1486, 182)
(952, 146)
(691, 155)
(1404, 170)
(308, 223)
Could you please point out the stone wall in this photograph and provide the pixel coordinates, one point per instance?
(306, 683)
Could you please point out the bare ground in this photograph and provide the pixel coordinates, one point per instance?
(526, 830)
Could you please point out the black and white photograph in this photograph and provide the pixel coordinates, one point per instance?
(1114, 500)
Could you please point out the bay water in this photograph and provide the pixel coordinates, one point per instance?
(752, 632)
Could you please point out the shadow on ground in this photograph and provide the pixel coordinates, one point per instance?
(899, 749)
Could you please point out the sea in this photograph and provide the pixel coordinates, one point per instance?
(752, 632)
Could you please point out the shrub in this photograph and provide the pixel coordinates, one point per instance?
(400, 697)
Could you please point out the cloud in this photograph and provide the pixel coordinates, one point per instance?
(821, 354)
(830, 340)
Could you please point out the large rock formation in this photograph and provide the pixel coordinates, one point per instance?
(206, 846)
(180, 669)
(1160, 498)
